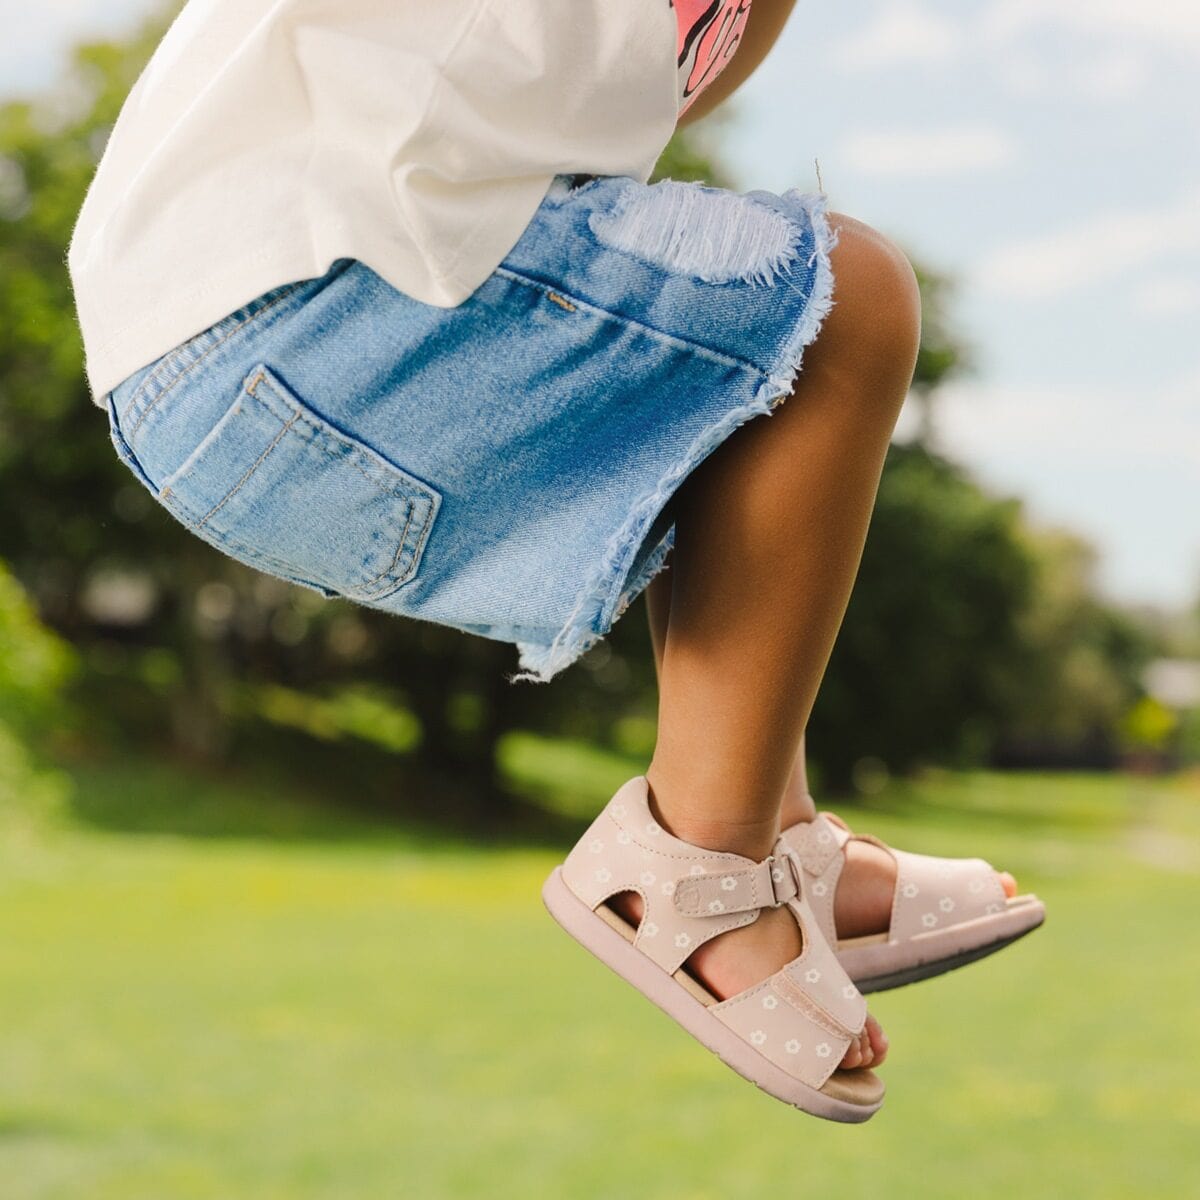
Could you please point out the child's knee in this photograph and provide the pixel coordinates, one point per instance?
(877, 298)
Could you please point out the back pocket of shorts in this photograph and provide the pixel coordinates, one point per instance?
(276, 486)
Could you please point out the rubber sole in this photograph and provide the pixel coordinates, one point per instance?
(1009, 930)
(656, 985)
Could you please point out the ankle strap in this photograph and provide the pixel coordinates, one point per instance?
(767, 884)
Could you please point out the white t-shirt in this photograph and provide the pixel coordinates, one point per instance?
(267, 138)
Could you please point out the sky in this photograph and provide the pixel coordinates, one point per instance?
(1046, 155)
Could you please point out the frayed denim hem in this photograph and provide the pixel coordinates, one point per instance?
(607, 592)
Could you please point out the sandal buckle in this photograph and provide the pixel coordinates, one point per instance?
(785, 880)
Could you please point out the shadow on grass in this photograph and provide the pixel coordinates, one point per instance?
(330, 797)
(15, 1127)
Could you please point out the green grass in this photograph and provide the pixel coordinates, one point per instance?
(218, 989)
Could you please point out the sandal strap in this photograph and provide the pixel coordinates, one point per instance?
(804, 1016)
(930, 894)
(686, 890)
(819, 847)
(817, 843)
(934, 893)
(767, 884)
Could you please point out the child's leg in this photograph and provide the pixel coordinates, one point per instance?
(810, 491)
(769, 534)
(797, 800)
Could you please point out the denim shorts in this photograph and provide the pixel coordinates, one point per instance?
(504, 467)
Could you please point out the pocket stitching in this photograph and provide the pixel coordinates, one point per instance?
(348, 450)
(226, 542)
(390, 571)
(176, 357)
(356, 454)
(253, 467)
(353, 451)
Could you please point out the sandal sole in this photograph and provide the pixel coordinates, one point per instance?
(1006, 928)
(657, 986)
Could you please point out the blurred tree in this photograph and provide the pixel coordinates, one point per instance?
(1081, 661)
(34, 665)
(944, 353)
(930, 656)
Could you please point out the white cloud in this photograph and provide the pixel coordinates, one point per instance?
(1092, 249)
(1105, 77)
(1173, 23)
(901, 32)
(37, 36)
(929, 151)
(1156, 424)
(1168, 295)
(1121, 465)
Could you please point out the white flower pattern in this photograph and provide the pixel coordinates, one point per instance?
(824, 1050)
(909, 891)
(946, 904)
(596, 846)
(820, 888)
(728, 883)
(647, 878)
(758, 1037)
(716, 906)
(792, 1046)
(929, 920)
(770, 1001)
(683, 940)
(812, 975)
(603, 875)
(649, 929)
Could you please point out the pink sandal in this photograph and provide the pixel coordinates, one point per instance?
(946, 912)
(786, 1034)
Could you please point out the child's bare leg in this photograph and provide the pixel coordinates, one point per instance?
(797, 800)
(769, 532)
(816, 485)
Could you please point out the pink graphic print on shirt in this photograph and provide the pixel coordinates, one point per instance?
(709, 34)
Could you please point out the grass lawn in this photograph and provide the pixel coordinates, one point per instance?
(263, 998)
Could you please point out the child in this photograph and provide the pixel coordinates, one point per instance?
(378, 300)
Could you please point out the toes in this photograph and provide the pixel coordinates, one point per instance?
(868, 1049)
(877, 1040)
(853, 1057)
(1008, 883)
(868, 1052)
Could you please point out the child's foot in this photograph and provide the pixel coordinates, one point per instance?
(734, 961)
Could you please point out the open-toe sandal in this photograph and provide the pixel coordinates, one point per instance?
(788, 1033)
(946, 912)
